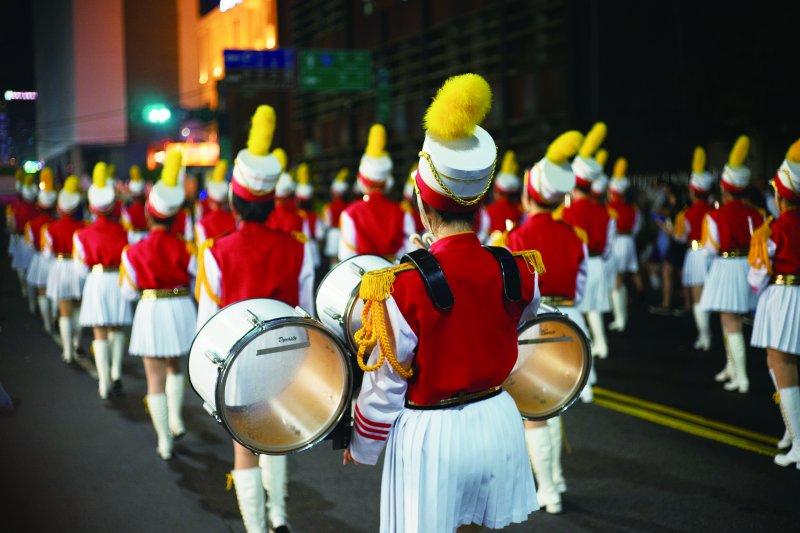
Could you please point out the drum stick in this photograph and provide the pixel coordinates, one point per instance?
(417, 241)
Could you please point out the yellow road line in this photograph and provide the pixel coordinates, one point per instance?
(677, 413)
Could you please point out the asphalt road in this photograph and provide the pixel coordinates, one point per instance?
(663, 448)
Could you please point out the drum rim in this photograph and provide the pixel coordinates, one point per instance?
(246, 339)
(587, 356)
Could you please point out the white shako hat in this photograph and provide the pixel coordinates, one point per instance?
(736, 176)
(552, 177)
(375, 167)
(167, 195)
(701, 180)
(70, 196)
(216, 186)
(507, 180)
(305, 190)
(787, 182)
(135, 183)
(408, 186)
(28, 189)
(619, 180)
(255, 169)
(47, 195)
(101, 191)
(339, 185)
(458, 157)
(585, 166)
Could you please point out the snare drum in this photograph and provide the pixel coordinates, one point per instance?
(553, 365)
(276, 379)
(338, 304)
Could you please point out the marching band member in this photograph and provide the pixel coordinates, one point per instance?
(409, 203)
(332, 213)
(98, 253)
(182, 225)
(160, 270)
(40, 265)
(285, 216)
(312, 224)
(623, 247)
(726, 237)
(588, 215)
(505, 211)
(374, 224)
(19, 177)
(455, 446)
(775, 272)
(217, 220)
(256, 261)
(64, 282)
(688, 226)
(111, 172)
(24, 211)
(566, 255)
(599, 192)
(132, 216)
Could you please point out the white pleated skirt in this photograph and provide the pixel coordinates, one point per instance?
(596, 295)
(22, 255)
(12, 244)
(332, 237)
(103, 304)
(695, 268)
(38, 270)
(163, 327)
(448, 467)
(623, 250)
(64, 281)
(777, 321)
(726, 288)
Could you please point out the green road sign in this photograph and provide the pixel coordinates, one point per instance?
(335, 70)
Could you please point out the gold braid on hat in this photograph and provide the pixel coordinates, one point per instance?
(450, 194)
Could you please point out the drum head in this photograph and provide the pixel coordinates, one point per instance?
(552, 367)
(284, 387)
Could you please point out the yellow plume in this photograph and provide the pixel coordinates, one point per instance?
(72, 184)
(280, 155)
(99, 175)
(739, 152)
(601, 157)
(19, 175)
(135, 173)
(509, 165)
(29, 180)
(303, 177)
(342, 175)
(261, 130)
(46, 179)
(793, 155)
(110, 170)
(172, 167)
(699, 160)
(376, 141)
(593, 140)
(620, 167)
(564, 147)
(218, 176)
(461, 104)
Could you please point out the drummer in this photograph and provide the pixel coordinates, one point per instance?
(159, 269)
(332, 213)
(133, 218)
(285, 216)
(217, 219)
(431, 389)
(256, 261)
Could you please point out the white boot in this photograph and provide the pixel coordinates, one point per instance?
(599, 345)
(44, 310)
(23, 285)
(619, 302)
(790, 409)
(65, 329)
(738, 351)
(702, 321)
(101, 363)
(174, 389)
(274, 479)
(555, 427)
(157, 405)
(117, 341)
(250, 495)
(786, 440)
(540, 449)
(729, 371)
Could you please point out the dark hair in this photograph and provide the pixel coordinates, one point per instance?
(586, 189)
(252, 211)
(546, 207)
(166, 222)
(449, 216)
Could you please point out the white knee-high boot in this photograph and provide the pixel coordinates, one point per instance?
(101, 363)
(738, 351)
(786, 440)
(76, 328)
(702, 320)
(619, 302)
(65, 329)
(250, 495)
(790, 409)
(555, 427)
(157, 405)
(44, 310)
(275, 480)
(540, 449)
(174, 389)
(729, 371)
(23, 285)
(117, 341)
(599, 345)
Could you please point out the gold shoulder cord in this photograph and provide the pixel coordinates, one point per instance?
(759, 250)
(202, 278)
(450, 194)
(533, 259)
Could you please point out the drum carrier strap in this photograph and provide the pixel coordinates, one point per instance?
(432, 276)
(512, 282)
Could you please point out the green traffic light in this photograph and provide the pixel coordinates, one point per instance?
(157, 113)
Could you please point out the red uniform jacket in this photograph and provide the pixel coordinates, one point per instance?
(694, 215)
(258, 262)
(453, 355)
(61, 232)
(334, 211)
(161, 261)
(285, 217)
(732, 225)
(591, 217)
(135, 214)
(36, 224)
(378, 223)
(500, 210)
(103, 241)
(418, 227)
(786, 236)
(561, 249)
(217, 222)
(24, 212)
(182, 218)
(625, 215)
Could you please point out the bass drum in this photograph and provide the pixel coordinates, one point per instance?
(277, 380)
(553, 365)
(337, 301)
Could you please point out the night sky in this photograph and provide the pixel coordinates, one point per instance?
(16, 66)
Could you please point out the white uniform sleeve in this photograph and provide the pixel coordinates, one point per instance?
(409, 229)
(188, 229)
(127, 282)
(347, 239)
(200, 233)
(711, 242)
(583, 272)
(530, 312)
(758, 278)
(306, 281)
(383, 392)
(79, 256)
(611, 233)
(47, 243)
(484, 224)
(206, 306)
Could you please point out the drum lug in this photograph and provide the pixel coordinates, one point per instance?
(302, 312)
(357, 270)
(334, 315)
(252, 318)
(210, 410)
(214, 357)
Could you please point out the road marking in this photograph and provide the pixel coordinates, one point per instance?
(686, 422)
